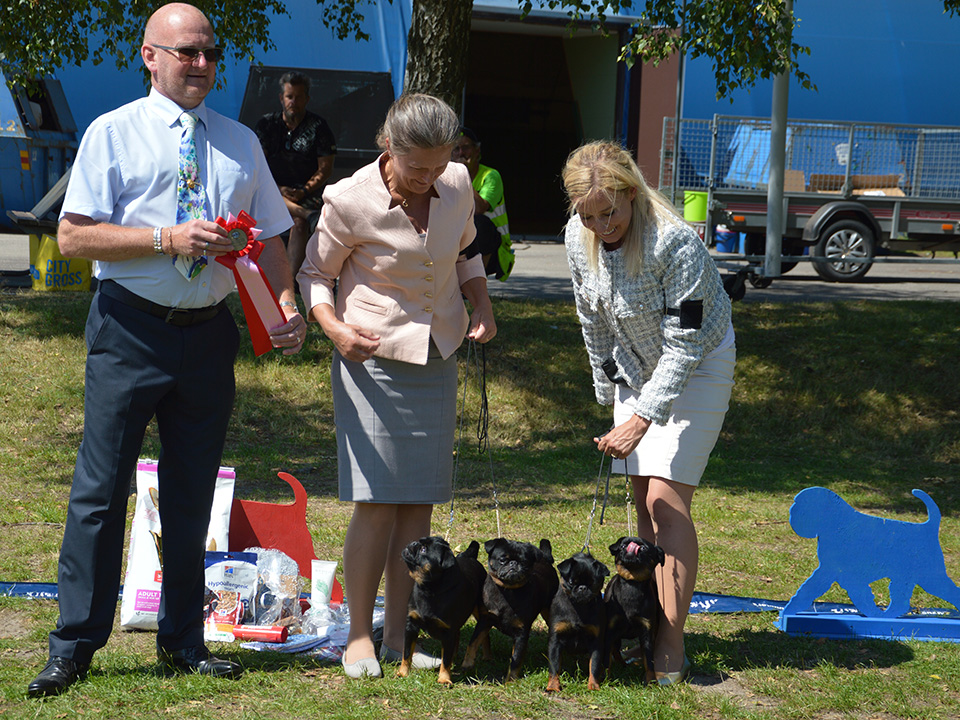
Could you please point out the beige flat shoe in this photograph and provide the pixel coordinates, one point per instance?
(675, 678)
(364, 667)
(419, 661)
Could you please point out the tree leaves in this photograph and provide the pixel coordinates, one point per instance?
(746, 41)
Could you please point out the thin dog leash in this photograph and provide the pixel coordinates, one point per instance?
(596, 494)
(483, 424)
(606, 496)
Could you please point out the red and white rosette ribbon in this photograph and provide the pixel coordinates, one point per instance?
(260, 304)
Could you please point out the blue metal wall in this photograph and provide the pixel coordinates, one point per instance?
(872, 61)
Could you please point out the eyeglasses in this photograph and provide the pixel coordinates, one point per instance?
(190, 54)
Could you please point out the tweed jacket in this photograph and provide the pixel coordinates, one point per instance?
(626, 318)
(389, 280)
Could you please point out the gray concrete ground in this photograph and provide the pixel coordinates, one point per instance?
(14, 260)
(541, 272)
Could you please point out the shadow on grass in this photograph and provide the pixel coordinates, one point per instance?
(850, 395)
(748, 649)
(855, 396)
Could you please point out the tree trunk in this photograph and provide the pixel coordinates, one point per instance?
(437, 49)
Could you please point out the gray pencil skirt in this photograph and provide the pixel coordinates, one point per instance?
(395, 429)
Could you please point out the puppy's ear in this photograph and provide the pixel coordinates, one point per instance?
(564, 568)
(660, 556)
(600, 570)
(490, 545)
(448, 560)
(615, 548)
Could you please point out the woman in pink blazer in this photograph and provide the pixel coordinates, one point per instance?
(385, 279)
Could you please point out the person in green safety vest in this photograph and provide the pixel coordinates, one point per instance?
(490, 212)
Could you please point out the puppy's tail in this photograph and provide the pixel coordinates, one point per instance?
(472, 551)
(933, 511)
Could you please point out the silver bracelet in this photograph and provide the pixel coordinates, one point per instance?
(157, 241)
(287, 303)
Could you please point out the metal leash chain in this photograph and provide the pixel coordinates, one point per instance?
(596, 494)
(483, 423)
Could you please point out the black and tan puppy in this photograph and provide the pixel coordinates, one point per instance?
(578, 618)
(633, 604)
(520, 585)
(446, 591)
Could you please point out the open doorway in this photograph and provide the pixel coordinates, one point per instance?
(532, 95)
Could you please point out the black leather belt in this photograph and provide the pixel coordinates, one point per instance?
(174, 316)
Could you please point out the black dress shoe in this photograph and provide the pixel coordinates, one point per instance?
(199, 660)
(57, 675)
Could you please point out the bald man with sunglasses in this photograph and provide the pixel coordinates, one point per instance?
(161, 343)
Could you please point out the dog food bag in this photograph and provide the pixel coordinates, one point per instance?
(144, 573)
(230, 594)
(278, 588)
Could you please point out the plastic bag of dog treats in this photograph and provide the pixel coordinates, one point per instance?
(278, 588)
(141, 585)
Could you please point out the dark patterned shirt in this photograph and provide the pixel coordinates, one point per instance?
(292, 154)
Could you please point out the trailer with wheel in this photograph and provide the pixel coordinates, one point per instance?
(852, 191)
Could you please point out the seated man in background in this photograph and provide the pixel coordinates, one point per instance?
(300, 147)
(490, 211)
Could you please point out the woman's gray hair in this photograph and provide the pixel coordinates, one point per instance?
(417, 120)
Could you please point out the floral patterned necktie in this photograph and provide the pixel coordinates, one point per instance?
(190, 195)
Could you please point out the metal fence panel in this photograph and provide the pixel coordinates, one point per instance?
(824, 157)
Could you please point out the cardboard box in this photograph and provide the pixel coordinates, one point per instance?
(793, 181)
(888, 185)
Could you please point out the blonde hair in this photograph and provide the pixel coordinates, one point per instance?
(607, 169)
(417, 120)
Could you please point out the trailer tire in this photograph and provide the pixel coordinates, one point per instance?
(755, 244)
(844, 242)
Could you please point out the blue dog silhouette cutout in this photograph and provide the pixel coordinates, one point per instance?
(855, 549)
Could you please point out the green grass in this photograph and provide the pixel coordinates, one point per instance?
(860, 397)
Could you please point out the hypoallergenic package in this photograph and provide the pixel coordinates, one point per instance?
(230, 595)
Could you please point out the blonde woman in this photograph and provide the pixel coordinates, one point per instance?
(656, 323)
(390, 239)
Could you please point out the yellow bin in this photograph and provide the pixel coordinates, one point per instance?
(694, 206)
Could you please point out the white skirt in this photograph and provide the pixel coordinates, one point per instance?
(679, 450)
